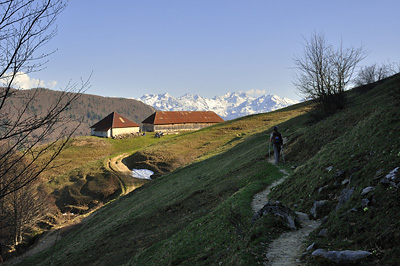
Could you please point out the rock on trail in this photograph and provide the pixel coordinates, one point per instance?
(261, 198)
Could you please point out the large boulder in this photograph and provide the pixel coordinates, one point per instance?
(345, 196)
(340, 257)
(277, 209)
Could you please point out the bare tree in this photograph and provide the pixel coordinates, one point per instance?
(25, 26)
(324, 72)
(375, 72)
(26, 207)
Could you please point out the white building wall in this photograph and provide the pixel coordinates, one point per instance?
(104, 134)
(123, 131)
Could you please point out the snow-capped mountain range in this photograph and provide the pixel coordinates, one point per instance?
(229, 106)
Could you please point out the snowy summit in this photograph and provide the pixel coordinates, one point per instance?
(229, 106)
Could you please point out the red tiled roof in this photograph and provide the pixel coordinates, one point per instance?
(180, 117)
(113, 120)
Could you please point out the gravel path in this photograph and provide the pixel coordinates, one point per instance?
(261, 198)
(117, 165)
(287, 249)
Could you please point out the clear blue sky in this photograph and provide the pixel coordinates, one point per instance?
(208, 47)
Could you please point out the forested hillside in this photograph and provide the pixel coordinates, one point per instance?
(87, 109)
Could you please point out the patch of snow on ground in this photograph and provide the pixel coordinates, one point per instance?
(142, 173)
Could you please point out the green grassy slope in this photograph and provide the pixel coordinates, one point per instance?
(199, 213)
(205, 143)
(362, 145)
(220, 183)
(82, 179)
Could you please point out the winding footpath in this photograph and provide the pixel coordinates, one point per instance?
(287, 249)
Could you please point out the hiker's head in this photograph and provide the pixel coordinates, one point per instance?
(275, 128)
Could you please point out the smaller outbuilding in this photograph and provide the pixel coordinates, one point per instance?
(114, 125)
(170, 121)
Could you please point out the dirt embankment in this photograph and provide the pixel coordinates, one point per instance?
(159, 163)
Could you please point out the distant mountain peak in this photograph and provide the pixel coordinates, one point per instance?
(229, 106)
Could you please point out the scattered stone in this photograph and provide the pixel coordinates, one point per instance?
(276, 208)
(323, 232)
(324, 220)
(345, 196)
(318, 209)
(302, 216)
(330, 168)
(340, 174)
(393, 174)
(367, 190)
(311, 247)
(340, 257)
(364, 203)
(378, 174)
(346, 181)
(391, 178)
(128, 135)
(322, 189)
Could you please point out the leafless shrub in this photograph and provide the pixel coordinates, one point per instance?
(375, 72)
(25, 27)
(324, 72)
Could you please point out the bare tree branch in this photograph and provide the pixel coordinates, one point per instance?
(324, 72)
(375, 72)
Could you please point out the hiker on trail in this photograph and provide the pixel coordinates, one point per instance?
(277, 141)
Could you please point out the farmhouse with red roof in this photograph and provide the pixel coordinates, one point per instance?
(114, 125)
(168, 121)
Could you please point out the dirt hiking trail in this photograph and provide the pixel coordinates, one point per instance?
(288, 248)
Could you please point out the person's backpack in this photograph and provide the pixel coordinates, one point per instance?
(277, 138)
